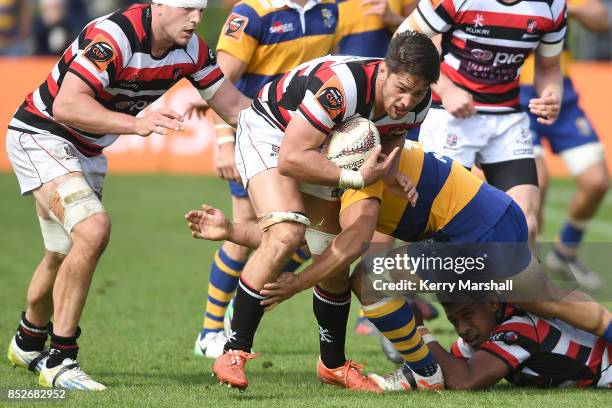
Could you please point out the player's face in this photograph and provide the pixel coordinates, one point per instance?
(401, 92)
(180, 23)
(473, 322)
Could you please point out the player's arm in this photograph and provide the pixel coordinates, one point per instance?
(211, 224)
(75, 105)
(358, 222)
(480, 371)
(300, 158)
(228, 101)
(381, 9)
(426, 19)
(592, 15)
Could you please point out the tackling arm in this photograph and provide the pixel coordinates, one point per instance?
(481, 371)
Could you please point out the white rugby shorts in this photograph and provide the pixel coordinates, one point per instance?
(257, 147)
(40, 158)
(482, 138)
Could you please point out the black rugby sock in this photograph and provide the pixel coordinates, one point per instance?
(247, 315)
(331, 311)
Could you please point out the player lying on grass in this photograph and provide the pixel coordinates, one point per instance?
(453, 206)
(499, 340)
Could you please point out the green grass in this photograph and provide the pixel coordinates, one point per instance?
(145, 308)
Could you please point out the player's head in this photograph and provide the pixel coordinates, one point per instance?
(473, 321)
(177, 20)
(411, 65)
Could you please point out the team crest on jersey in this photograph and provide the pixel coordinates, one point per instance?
(532, 25)
(583, 126)
(212, 57)
(100, 52)
(328, 18)
(176, 73)
(235, 25)
(505, 337)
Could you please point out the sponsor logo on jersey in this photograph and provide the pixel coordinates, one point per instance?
(482, 55)
(235, 25)
(479, 20)
(100, 52)
(331, 98)
(502, 58)
(280, 28)
(451, 140)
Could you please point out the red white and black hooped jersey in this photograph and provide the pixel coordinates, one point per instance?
(113, 56)
(329, 90)
(545, 352)
(485, 43)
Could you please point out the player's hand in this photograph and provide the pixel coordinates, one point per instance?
(377, 165)
(196, 108)
(209, 223)
(458, 102)
(158, 121)
(546, 107)
(380, 9)
(225, 163)
(285, 286)
(402, 186)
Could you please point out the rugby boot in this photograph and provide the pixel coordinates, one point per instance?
(68, 375)
(405, 379)
(32, 360)
(347, 376)
(229, 368)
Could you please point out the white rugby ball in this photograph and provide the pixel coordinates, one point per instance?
(351, 143)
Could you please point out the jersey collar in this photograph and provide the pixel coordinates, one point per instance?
(280, 3)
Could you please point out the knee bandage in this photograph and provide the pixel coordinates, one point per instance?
(276, 217)
(73, 201)
(318, 241)
(55, 237)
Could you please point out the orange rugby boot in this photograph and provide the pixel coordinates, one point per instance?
(348, 376)
(229, 368)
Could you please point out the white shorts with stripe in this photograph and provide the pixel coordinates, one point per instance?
(257, 147)
(40, 158)
(482, 138)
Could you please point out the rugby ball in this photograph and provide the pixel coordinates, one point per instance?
(351, 143)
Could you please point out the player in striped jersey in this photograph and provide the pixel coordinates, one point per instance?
(499, 340)
(118, 65)
(260, 41)
(278, 142)
(574, 139)
(477, 117)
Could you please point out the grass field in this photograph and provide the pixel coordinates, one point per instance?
(145, 308)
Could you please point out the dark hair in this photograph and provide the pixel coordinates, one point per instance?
(415, 54)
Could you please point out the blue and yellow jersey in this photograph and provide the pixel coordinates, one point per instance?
(273, 36)
(9, 20)
(363, 35)
(453, 205)
(527, 71)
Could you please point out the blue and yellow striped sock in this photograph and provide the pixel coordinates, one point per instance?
(224, 275)
(394, 319)
(296, 261)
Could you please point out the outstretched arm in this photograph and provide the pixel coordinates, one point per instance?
(211, 224)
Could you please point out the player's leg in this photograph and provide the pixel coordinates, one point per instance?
(54, 172)
(573, 138)
(395, 320)
(227, 265)
(508, 164)
(27, 346)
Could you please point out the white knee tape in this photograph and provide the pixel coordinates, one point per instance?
(580, 158)
(73, 201)
(55, 236)
(318, 241)
(276, 217)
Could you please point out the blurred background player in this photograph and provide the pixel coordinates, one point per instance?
(476, 115)
(366, 26)
(573, 138)
(15, 23)
(55, 143)
(259, 41)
